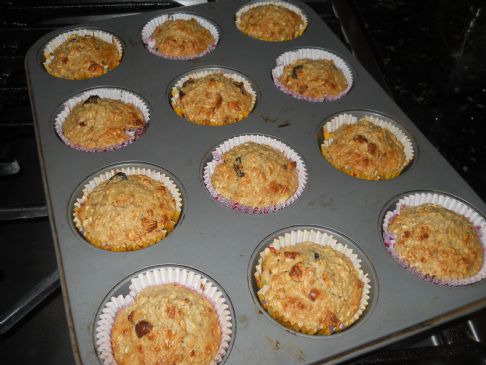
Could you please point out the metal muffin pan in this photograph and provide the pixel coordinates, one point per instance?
(218, 241)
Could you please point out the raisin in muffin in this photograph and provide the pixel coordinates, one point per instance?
(365, 150)
(99, 123)
(82, 57)
(255, 175)
(126, 213)
(313, 78)
(213, 100)
(182, 38)
(271, 22)
(167, 324)
(310, 288)
(437, 242)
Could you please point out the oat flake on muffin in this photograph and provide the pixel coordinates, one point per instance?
(437, 242)
(167, 324)
(255, 175)
(99, 123)
(82, 57)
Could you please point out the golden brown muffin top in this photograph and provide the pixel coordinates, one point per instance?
(83, 57)
(182, 38)
(365, 150)
(437, 242)
(127, 212)
(213, 100)
(271, 23)
(255, 175)
(102, 123)
(313, 78)
(311, 285)
(167, 324)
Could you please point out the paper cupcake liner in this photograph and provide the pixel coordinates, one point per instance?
(284, 4)
(63, 37)
(338, 121)
(160, 276)
(153, 174)
(448, 202)
(295, 237)
(107, 93)
(228, 145)
(313, 54)
(150, 27)
(201, 74)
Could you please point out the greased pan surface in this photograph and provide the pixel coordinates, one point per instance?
(221, 242)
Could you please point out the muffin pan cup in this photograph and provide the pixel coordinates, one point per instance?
(448, 202)
(217, 241)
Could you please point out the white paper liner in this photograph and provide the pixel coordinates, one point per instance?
(201, 74)
(284, 4)
(295, 237)
(448, 202)
(228, 145)
(313, 54)
(150, 27)
(345, 118)
(107, 93)
(160, 276)
(153, 174)
(63, 37)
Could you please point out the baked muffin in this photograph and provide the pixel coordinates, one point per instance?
(126, 213)
(255, 175)
(271, 22)
(167, 324)
(82, 57)
(437, 242)
(99, 123)
(313, 78)
(365, 150)
(310, 288)
(213, 100)
(182, 38)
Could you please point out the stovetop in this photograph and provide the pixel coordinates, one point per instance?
(427, 55)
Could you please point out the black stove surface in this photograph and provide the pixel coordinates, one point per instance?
(428, 55)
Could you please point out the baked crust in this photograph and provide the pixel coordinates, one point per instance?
(127, 212)
(437, 242)
(102, 123)
(182, 38)
(83, 57)
(313, 78)
(255, 175)
(271, 23)
(366, 151)
(213, 100)
(167, 324)
(310, 288)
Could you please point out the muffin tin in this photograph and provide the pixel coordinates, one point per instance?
(220, 242)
